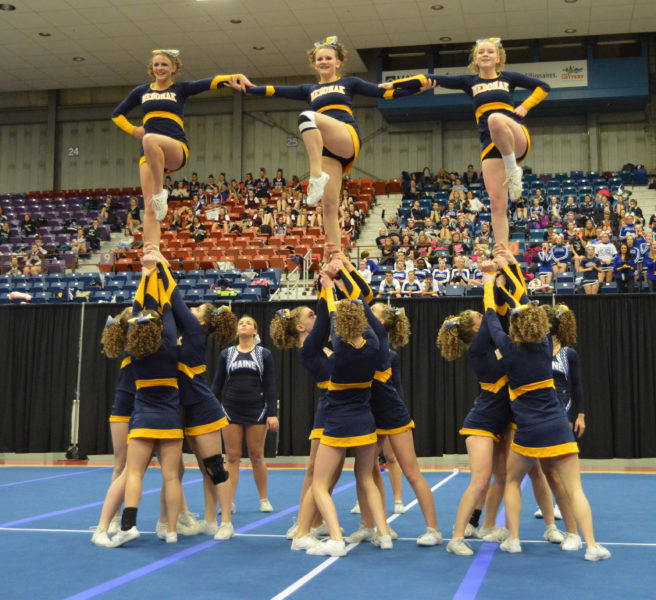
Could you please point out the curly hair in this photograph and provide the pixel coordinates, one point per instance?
(223, 323)
(350, 320)
(562, 322)
(340, 51)
(397, 326)
(145, 339)
(283, 330)
(472, 66)
(456, 334)
(530, 326)
(175, 61)
(114, 337)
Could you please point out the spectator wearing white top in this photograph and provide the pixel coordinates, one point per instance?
(606, 251)
(364, 271)
(400, 273)
(442, 274)
(389, 286)
(411, 286)
(459, 273)
(429, 287)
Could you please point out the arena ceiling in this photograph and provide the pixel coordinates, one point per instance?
(57, 44)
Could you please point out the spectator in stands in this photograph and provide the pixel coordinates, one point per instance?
(411, 187)
(133, 219)
(590, 267)
(560, 254)
(389, 286)
(126, 241)
(649, 264)
(5, 233)
(587, 208)
(392, 224)
(643, 242)
(382, 236)
(554, 210)
(279, 181)
(168, 185)
(33, 262)
(459, 273)
(3, 217)
(429, 286)
(443, 179)
(92, 235)
(475, 275)
(249, 183)
(426, 176)
(194, 185)
(280, 226)
(262, 184)
(635, 255)
(411, 286)
(210, 185)
(519, 210)
(485, 234)
(635, 211)
(457, 198)
(14, 268)
(624, 269)
(417, 212)
(601, 204)
(470, 176)
(422, 268)
(480, 252)
(364, 271)
(27, 226)
(435, 213)
(459, 245)
(387, 253)
(546, 263)
(424, 245)
(464, 227)
(589, 231)
(251, 202)
(316, 218)
(570, 204)
(399, 273)
(108, 214)
(198, 204)
(442, 275)
(79, 244)
(222, 221)
(628, 227)
(180, 192)
(197, 230)
(606, 251)
(222, 190)
(234, 189)
(577, 247)
(445, 234)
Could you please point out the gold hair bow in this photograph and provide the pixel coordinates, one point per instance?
(170, 51)
(331, 41)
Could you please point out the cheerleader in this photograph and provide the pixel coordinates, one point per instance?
(348, 421)
(546, 261)
(245, 377)
(155, 422)
(163, 140)
(329, 130)
(296, 328)
(204, 417)
(542, 428)
(505, 141)
(390, 413)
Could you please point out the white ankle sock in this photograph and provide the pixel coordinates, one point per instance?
(510, 161)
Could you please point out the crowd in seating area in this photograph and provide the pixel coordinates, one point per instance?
(568, 231)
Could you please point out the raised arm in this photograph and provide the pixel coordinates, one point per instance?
(364, 88)
(292, 92)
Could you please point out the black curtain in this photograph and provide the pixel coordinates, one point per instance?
(615, 344)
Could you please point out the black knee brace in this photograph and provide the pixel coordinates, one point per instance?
(215, 469)
(306, 121)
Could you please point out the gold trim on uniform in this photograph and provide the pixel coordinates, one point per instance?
(159, 434)
(494, 387)
(343, 107)
(396, 430)
(316, 434)
(535, 98)
(480, 433)
(356, 147)
(383, 376)
(530, 387)
(335, 387)
(146, 383)
(162, 114)
(122, 122)
(483, 108)
(219, 79)
(547, 451)
(118, 419)
(323, 385)
(191, 372)
(346, 442)
(126, 361)
(207, 428)
(270, 90)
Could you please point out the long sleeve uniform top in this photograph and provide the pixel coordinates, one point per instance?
(566, 367)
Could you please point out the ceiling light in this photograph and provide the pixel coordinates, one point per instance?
(78, 58)
(235, 21)
(570, 30)
(7, 7)
(570, 1)
(258, 47)
(405, 54)
(615, 42)
(445, 38)
(437, 7)
(44, 34)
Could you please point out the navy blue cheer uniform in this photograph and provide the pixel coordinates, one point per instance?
(318, 364)
(389, 410)
(347, 417)
(163, 110)
(542, 426)
(334, 99)
(250, 387)
(489, 96)
(124, 394)
(566, 367)
(202, 411)
(156, 411)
